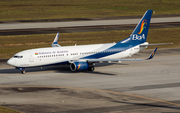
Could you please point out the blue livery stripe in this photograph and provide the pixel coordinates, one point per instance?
(110, 51)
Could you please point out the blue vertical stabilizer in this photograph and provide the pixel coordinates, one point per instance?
(139, 34)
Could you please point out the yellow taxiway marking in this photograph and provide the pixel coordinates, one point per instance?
(99, 90)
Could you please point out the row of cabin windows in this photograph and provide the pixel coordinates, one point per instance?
(101, 52)
(74, 53)
(50, 56)
(96, 52)
(80, 53)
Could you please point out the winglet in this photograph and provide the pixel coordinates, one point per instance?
(152, 54)
(55, 42)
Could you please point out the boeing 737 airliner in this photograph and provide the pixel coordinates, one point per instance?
(83, 57)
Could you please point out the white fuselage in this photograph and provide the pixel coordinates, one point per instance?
(62, 55)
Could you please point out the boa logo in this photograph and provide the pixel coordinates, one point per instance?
(137, 37)
(144, 22)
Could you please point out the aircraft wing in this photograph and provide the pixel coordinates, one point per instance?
(119, 60)
(155, 44)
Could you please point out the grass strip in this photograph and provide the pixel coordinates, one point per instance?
(57, 9)
(6, 110)
(9, 45)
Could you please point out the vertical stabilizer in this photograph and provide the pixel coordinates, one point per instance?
(139, 34)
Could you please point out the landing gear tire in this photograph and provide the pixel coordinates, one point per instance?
(91, 68)
(23, 71)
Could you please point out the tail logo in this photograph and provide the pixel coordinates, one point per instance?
(143, 26)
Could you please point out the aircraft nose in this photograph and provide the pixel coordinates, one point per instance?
(10, 62)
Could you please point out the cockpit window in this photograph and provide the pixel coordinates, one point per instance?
(18, 56)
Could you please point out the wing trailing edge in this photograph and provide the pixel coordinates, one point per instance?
(119, 60)
(144, 45)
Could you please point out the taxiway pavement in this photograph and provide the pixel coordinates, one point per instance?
(133, 87)
(38, 25)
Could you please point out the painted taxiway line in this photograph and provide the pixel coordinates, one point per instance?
(87, 89)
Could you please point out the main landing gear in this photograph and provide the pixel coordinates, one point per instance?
(91, 68)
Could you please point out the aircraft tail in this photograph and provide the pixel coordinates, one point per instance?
(139, 34)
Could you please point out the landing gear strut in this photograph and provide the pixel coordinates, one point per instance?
(91, 68)
(23, 71)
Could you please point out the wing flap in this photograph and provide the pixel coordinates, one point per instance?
(112, 60)
(119, 60)
(155, 44)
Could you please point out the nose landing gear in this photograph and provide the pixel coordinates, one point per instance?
(23, 71)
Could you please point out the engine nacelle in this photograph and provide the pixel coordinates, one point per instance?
(79, 66)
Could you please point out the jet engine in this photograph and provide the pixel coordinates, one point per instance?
(79, 66)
